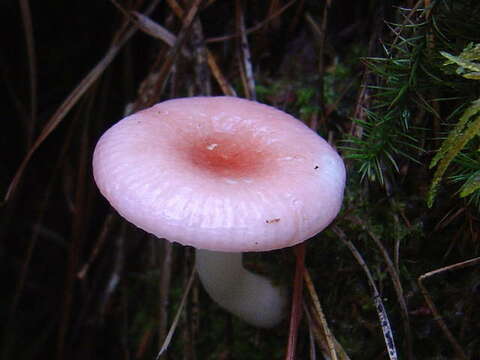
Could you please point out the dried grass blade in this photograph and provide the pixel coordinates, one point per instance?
(171, 331)
(164, 288)
(382, 314)
(144, 341)
(176, 8)
(227, 89)
(159, 32)
(431, 305)
(78, 232)
(154, 29)
(120, 39)
(202, 75)
(320, 32)
(116, 274)
(147, 25)
(312, 333)
(246, 68)
(33, 242)
(32, 66)
(296, 312)
(166, 68)
(254, 28)
(320, 316)
(106, 228)
(320, 338)
(397, 285)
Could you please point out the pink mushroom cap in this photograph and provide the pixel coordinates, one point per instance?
(220, 173)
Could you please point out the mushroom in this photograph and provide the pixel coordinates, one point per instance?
(224, 175)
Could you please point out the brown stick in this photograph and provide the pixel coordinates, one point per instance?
(121, 38)
(164, 289)
(32, 68)
(296, 314)
(246, 68)
(377, 299)
(397, 285)
(428, 299)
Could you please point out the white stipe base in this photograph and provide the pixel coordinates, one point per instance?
(249, 296)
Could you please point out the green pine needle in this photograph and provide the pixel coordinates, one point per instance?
(467, 127)
(456, 141)
(470, 186)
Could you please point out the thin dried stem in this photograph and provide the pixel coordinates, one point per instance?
(227, 89)
(382, 314)
(172, 53)
(431, 305)
(246, 68)
(397, 285)
(33, 242)
(202, 74)
(78, 229)
(164, 289)
(121, 38)
(32, 67)
(169, 336)
(320, 31)
(159, 32)
(296, 312)
(257, 27)
(311, 333)
(100, 243)
(320, 316)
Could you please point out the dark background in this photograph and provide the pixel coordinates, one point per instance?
(55, 223)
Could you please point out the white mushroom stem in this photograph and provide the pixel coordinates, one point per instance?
(249, 296)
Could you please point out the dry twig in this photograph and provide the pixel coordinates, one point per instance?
(377, 299)
(120, 39)
(436, 315)
(296, 312)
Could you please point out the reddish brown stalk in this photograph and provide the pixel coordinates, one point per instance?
(296, 313)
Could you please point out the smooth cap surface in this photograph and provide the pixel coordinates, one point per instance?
(220, 173)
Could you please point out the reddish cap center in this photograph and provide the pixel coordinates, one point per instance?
(230, 156)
